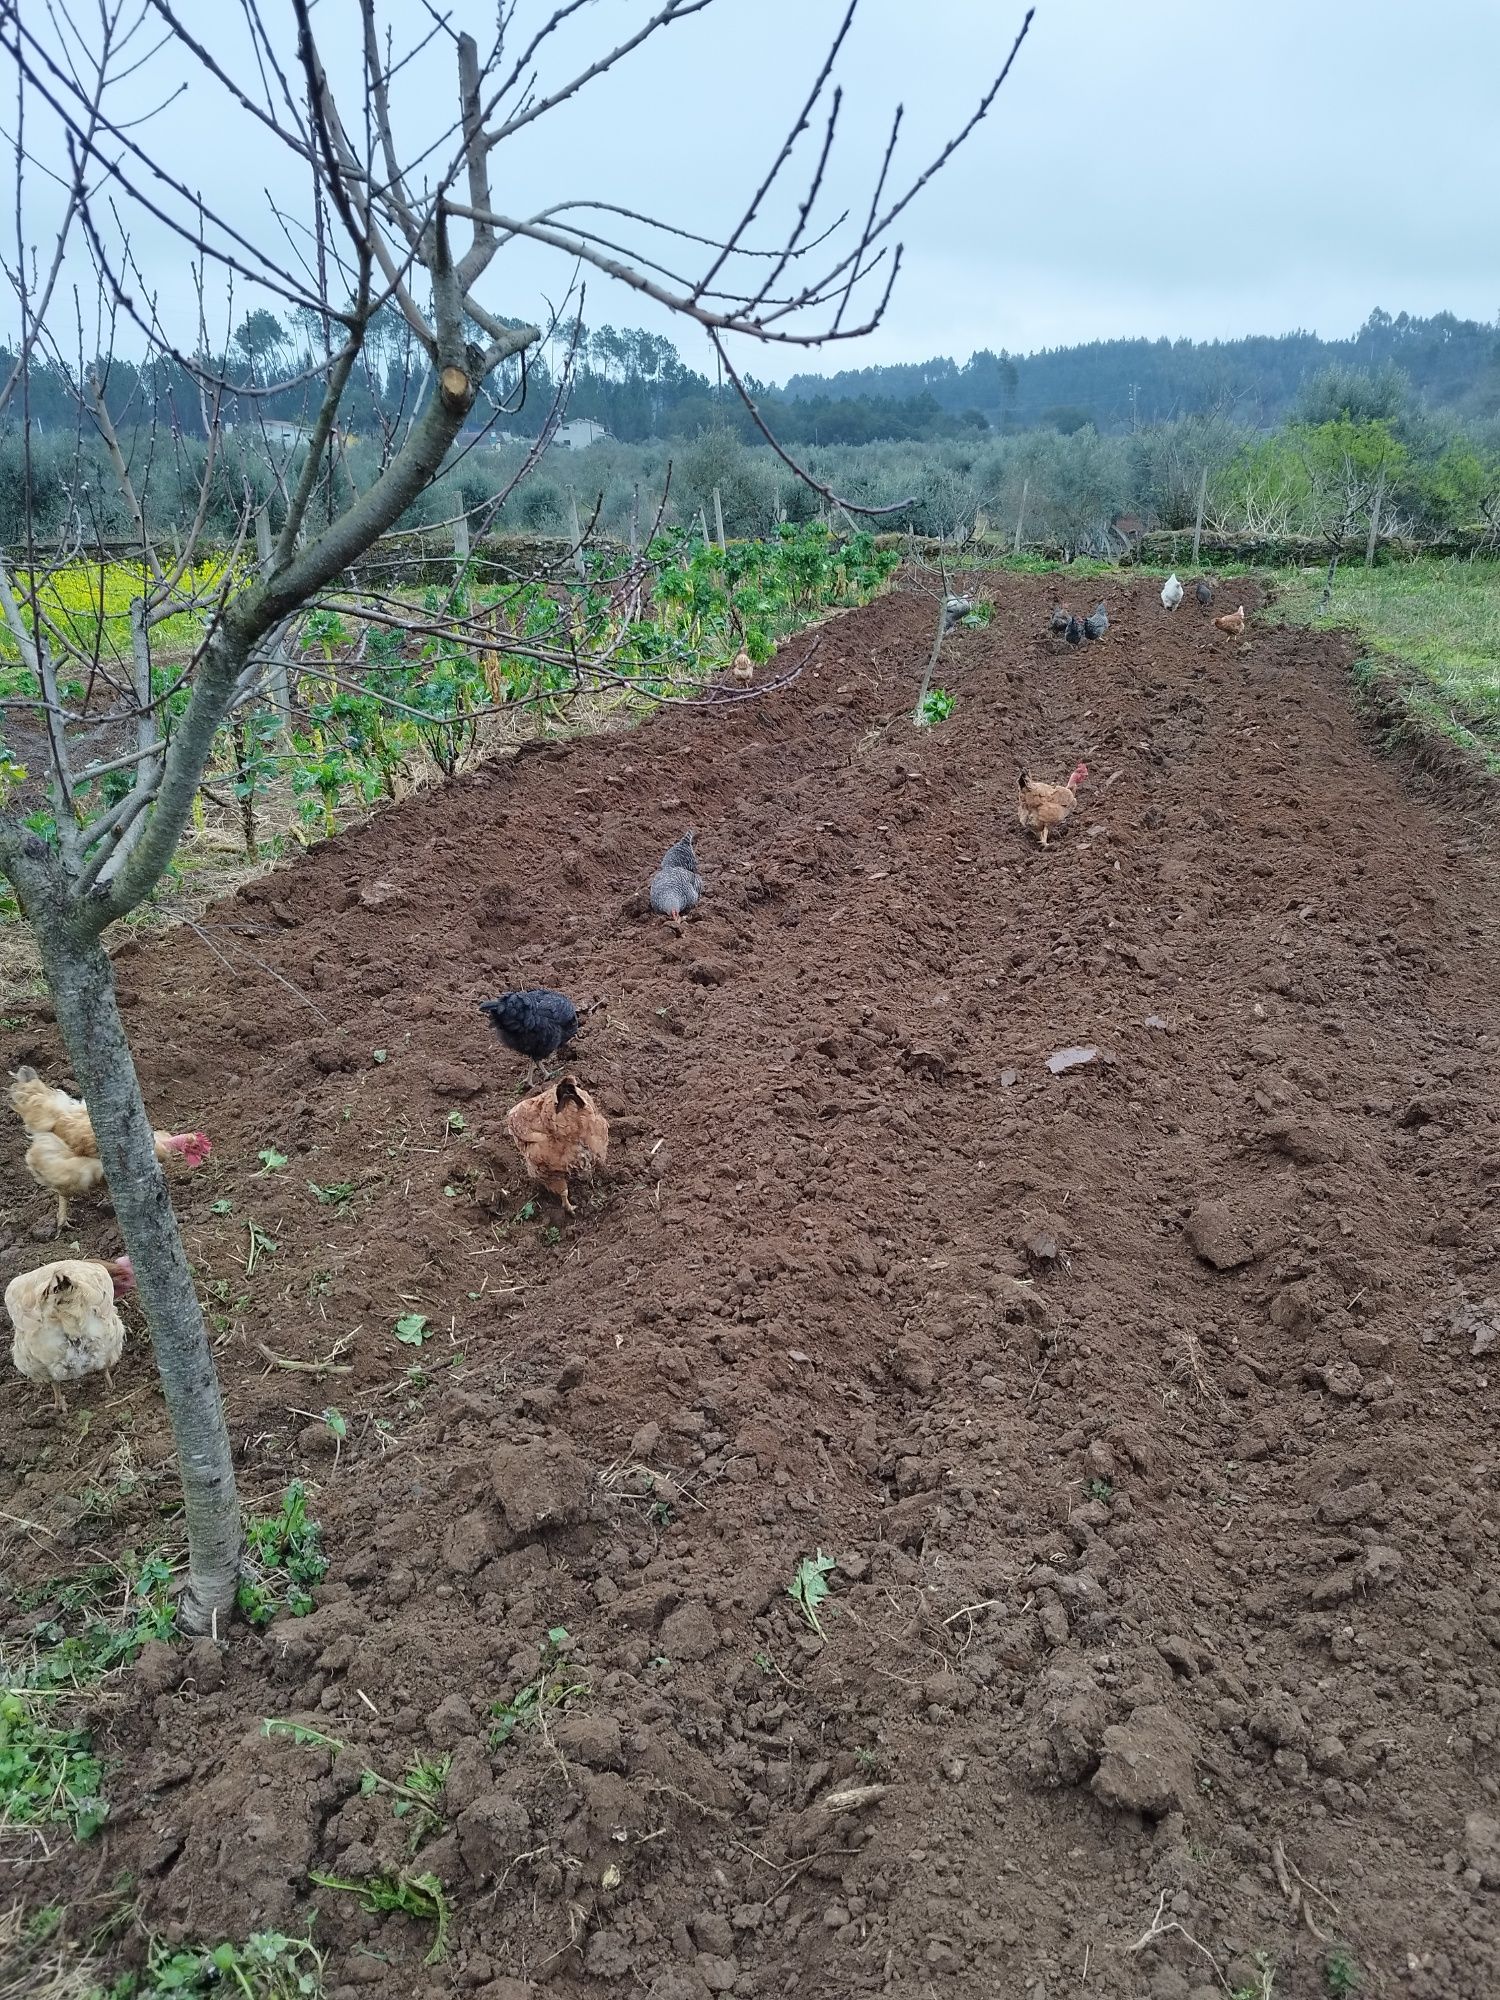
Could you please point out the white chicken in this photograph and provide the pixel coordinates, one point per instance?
(65, 1320)
(1171, 593)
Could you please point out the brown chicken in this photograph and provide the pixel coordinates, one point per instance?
(1232, 622)
(63, 1155)
(65, 1321)
(1041, 807)
(561, 1133)
(744, 666)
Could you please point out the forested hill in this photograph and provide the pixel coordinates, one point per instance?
(1451, 363)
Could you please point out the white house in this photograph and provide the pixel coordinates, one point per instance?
(578, 432)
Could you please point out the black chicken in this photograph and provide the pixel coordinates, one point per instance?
(1204, 592)
(536, 1023)
(1073, 631)
(1059, 619)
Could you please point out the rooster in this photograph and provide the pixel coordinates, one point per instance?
(65, 1321)
(1040, 806)
(560, 1132)
(1232, 622)
(63, 1154)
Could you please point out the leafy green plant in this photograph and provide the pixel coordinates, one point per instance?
(271, 1162)
(49, 1775)
(267, 1966)
(283, 1560)
(551, 1689)
(420, 1896)
(261, 1245)
(1341, 1974)
(412, 1329)
(809, 1586)
(1100, 1489)
(937, 706)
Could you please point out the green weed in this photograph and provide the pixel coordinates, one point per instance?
(551, 1689)
(809, 1587)
(283, 1560)
(420, 1896)
(267, 1966)
(937, 706)
(1340, 1973)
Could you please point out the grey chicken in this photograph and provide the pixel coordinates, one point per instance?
(954, 610)
(1059, 620)
(1097, 622)
(1203, 590)
(536, 1022)
(677, 885)
(1074, 630)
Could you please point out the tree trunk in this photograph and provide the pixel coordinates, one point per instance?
(1021, 516)
(1198, 524)
(83, 994)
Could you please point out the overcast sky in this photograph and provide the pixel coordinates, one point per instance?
(1198, 167)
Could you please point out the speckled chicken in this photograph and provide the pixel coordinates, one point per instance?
(561, 1134)
(65, 1321)
(677, 885)
(1040, 807)
(63, 1154)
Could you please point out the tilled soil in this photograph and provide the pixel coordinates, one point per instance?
(1146, 1409)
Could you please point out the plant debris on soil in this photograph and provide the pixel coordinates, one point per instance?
(1139, 1411)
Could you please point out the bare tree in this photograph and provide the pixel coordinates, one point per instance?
(397, 222)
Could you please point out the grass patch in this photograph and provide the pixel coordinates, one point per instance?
(49, 1774)
(1432, 628)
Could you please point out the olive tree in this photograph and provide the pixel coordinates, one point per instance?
(397, 221)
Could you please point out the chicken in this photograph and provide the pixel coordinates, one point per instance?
(1232, 622)
(955, 610)
(65, 1321)
(1074, 630)
(744, 666)
(1040, 806)
(677, 885)
(560, 1132)
(536, 1022)
(1097, 622)
(1172, 593)
(63, 1154)
(1059, 621)
(1203, 590)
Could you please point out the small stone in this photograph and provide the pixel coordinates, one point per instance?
(1351, 1503)
(718, 1974)
(1381, 1566)
(1217, 1238)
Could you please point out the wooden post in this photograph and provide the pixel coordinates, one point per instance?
(635, 522)
(577, 533)
(703, 526)
(1375, 507)
(719, 518)
(460, 543)
(1198, 524)
(1021, 516)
